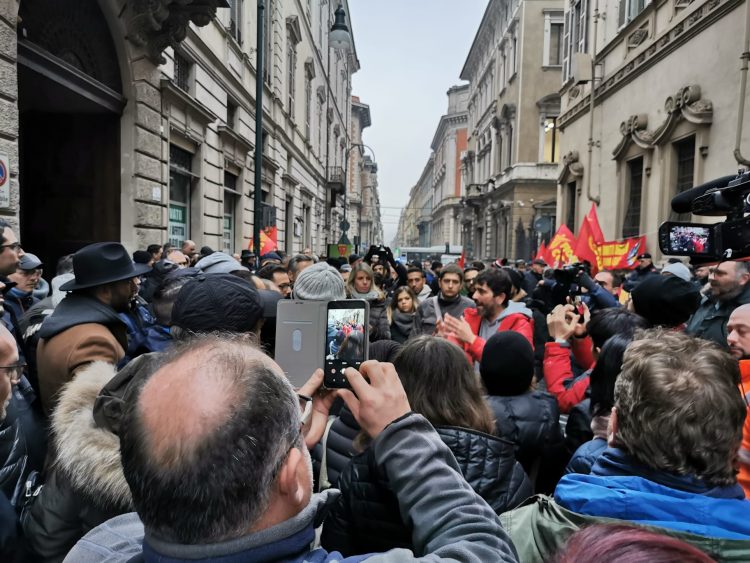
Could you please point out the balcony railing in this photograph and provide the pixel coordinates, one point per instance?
(336, 179)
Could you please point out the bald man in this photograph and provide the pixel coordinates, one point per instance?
(9, 377)
(215, 450)
(738, 339)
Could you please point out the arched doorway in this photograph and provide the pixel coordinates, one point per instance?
(70, 101)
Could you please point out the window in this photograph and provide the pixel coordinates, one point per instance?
(231, 114)
(629, 9)
(685, 157)
(575, 34)
(551, 140)
(235, 19)
(268, 42)
(230, 200)
(570, 206)
(180, 164)
(181, 72)
(515, 54)
(510, 144)
(308, 107)
(631, 226)
(553, 39)
(291, 65)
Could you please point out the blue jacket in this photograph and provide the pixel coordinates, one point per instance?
(618, 488)
(586, 455)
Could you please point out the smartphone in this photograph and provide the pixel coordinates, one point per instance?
(346, 340)
(299, 329)
(578, 304)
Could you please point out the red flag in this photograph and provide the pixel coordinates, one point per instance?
(461, 261)
(622, 254)
(543, 254)
(561, 246)
(590, 239)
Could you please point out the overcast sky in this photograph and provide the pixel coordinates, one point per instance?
(410, 53)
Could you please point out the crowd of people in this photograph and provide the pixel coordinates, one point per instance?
(507, 411)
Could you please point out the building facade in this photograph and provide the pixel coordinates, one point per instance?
(666, 90)
(363, 200)
(134, 121)
(510, 168)
(430, 217)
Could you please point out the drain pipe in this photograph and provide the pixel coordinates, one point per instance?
(591, 143)
(743, 86)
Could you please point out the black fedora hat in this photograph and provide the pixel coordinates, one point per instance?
(101, 263)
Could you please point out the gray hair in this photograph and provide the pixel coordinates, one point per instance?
(295, 260)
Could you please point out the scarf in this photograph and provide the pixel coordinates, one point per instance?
(372, 295)
(403, 321)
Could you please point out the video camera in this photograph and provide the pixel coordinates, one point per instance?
(727, 196)
(567, 285)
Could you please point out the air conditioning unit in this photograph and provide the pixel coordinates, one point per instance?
(580, 69)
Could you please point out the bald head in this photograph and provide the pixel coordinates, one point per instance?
(8, 357)
(203, 441)
(738, 332)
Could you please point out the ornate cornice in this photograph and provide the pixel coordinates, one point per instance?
(676, 36)
(158, 24)
(686, 104)
(571, 167)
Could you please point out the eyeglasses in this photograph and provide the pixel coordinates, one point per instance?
(14, 372)
(14, 246)
(285, 286)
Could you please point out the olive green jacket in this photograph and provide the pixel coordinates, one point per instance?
(540, 527)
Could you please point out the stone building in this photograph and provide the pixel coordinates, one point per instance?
(134, 121)
(510, 167)
(666, 91)
(363, 200)
(430, 217)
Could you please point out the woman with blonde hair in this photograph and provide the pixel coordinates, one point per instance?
(361, 285)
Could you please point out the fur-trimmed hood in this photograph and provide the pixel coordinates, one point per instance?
(89, 456)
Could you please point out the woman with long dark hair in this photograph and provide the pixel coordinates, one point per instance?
(401, 311)
(446, 391)
(600, 402)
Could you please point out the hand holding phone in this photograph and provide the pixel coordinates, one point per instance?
(378, 403)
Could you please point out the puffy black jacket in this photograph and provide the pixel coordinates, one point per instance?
(532, 422)
(578, 428)
(380, 329)
(366, 517)
(339, 448)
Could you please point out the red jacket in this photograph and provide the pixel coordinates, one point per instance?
(557, 370)
(744, 476)
(517, 322)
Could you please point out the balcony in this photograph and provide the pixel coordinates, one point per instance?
(336, 179)
(474, 190)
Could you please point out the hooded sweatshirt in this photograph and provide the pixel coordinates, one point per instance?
(219, 263)
(516, 317)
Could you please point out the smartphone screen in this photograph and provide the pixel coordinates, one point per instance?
(346, 340)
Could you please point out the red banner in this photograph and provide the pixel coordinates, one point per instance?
(561, 247)
(544, 254)
(621, 254)
(590, 238)
(268, 240)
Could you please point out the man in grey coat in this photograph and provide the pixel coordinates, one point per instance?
(729, 288)
(215, 451)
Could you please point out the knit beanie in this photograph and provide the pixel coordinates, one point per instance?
(665, 300)
(319, 282)
(507, 365)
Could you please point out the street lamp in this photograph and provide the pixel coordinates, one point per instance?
(345, 224)
(258, 192)
(339, 36)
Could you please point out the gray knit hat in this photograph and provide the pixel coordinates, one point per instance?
(319, 282)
